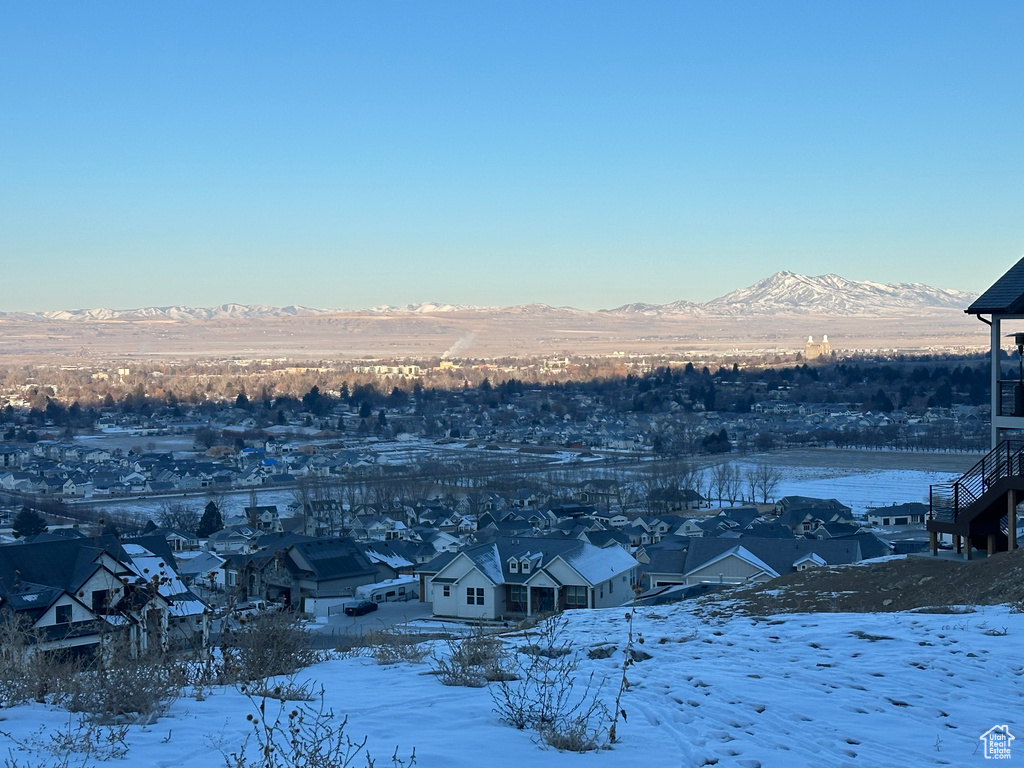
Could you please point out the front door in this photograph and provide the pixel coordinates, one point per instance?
(542, 599)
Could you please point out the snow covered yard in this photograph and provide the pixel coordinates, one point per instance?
(829, 690)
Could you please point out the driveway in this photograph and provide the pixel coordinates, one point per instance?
(386, 616)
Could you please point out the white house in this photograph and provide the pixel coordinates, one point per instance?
(525, 575)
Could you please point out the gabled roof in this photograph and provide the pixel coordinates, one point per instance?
(778, 555)
(595, 564)
(1004, 297)
(744, 554)
(65, 564)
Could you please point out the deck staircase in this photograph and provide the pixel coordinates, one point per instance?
(977, 505)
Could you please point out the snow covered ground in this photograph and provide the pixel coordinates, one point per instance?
(828, 690)
(860, 489)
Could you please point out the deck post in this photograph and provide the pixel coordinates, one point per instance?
(1011, 518)
(991, 544)
(933, 541)
(959, 544)
(968, 548)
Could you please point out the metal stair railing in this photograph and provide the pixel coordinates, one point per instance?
(948, 500)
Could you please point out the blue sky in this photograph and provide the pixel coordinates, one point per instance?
(583, 153)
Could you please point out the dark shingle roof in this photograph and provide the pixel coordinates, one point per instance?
(1005, 297)
(778, 554)
(332, 559)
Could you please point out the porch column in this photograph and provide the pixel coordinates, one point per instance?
(933, 541)
(968, 548)
(995, 379)
(1011, 519)
(529, 601)
(555, 606)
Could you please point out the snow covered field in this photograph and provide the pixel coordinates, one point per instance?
(860, 489)
(828, 690)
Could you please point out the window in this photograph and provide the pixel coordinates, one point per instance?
(517, 598)
(611, 586)
(474, 596)
(513, 566)
(63, 614)
(526, 566)
(232, 578)
(100, 599)
(575, 597)
(446, 590)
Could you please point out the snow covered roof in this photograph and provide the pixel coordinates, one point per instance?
(597, 564)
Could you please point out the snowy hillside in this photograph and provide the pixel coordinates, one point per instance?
(892, 689)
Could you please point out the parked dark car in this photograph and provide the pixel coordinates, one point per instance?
(360, 608)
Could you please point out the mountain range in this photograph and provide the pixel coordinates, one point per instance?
(781, 293)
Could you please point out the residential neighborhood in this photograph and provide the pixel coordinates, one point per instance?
(491, 503)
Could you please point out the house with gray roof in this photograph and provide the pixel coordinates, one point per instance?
(517, 576)
(74, 591)
(750, 560)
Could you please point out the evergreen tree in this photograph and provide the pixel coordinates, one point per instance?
(211, 521)
(28, 522)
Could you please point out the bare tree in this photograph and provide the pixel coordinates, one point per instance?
(763, 480)
(176, 515)
(727, 482)
(734, 484)
(123, 522)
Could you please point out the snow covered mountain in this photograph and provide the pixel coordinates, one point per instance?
(833, 295)
(788, 292)
(782, 293)
(176, 313)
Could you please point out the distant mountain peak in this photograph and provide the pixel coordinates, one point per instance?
(834, 295)
(788, 292)
(783, 292)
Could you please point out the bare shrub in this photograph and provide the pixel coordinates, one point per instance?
(266, 645)
(544, 695)
(392, 646)
(118, 686)
(474, 661)
(28, 673)
(83, 741)
(306, 736)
